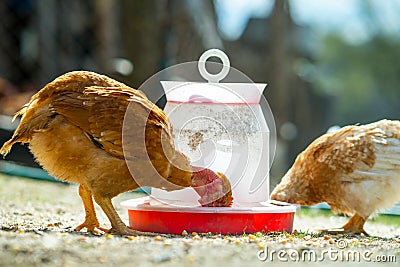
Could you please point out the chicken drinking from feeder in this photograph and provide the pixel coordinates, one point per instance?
(219, 126)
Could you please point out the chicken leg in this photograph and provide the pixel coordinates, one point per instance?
(354, 226)
(117, 225)
(91, 223)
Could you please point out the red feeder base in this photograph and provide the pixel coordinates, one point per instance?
(146, 216)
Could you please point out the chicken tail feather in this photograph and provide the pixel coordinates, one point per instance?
(21, 112)
(6, 148)
(34, 118)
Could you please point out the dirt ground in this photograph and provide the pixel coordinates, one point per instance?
(37, 221)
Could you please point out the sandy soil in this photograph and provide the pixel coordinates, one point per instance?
(37, 221)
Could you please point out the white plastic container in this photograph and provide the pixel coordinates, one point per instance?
(220, 126)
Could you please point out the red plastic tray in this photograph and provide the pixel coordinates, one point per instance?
(150, 216)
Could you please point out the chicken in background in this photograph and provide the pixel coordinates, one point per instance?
(74, 127)
(356, 170)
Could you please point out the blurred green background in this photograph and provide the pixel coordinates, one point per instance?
(326, 62)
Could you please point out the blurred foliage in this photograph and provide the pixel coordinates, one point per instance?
(363, 78)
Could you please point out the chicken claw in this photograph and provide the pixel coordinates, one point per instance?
(117, 225)
(341, 231)
(354, 226)
(91, 226)
(124, 230)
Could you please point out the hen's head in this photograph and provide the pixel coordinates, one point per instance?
(214, 188)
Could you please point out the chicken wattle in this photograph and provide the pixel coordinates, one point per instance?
(214, 188)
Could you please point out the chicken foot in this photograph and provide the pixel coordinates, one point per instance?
(354, 226)
(117, 225)
(91, 223)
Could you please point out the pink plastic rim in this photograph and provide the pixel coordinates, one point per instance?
(214, 93)
(213, 103)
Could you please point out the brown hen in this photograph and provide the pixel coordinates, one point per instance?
(356, 170)
(75, 129)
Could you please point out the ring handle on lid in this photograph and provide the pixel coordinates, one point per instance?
(214, 78)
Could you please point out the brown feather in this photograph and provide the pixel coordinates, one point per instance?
(355, 170)
(96, 106)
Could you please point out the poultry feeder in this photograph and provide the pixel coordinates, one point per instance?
(219, 126)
